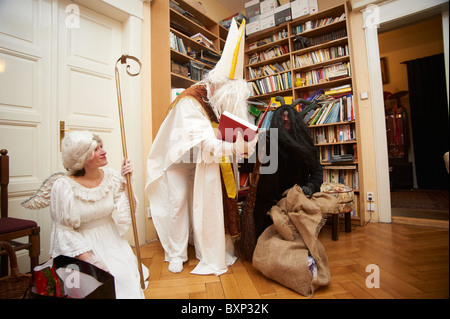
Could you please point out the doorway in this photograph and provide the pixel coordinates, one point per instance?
(416, 121)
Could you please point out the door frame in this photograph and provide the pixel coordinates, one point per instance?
(374, 16)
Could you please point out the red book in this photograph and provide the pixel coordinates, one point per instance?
(230, 125)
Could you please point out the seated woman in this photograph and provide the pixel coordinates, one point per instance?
(90, 211)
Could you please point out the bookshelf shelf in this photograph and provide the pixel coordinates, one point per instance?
(322, 64)
(338, 139)
(325, 84)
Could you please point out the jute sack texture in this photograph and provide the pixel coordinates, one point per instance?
(281, 252)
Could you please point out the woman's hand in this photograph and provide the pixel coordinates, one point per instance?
(127, 168)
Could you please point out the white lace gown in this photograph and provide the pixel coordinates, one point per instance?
(94, 220)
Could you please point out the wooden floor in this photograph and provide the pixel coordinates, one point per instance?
(413, 263)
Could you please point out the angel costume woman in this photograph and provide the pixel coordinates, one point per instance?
(90, 211)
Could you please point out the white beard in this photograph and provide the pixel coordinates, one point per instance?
(231, 96)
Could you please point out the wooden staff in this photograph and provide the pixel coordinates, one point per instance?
(123, 60)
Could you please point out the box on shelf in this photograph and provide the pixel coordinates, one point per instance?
(299, 8)
(282, 14)
(267, 20)
(268, 5)
(313, 7)
(252, 8)
(179, 69)
(227, 22)
(252, 27)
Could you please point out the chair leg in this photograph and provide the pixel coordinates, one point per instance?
(335, 226)
(4, 266)
(35, 249)
(348, 222)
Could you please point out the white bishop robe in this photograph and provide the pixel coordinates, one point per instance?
(187, 132)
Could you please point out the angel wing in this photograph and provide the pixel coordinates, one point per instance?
(41, 198)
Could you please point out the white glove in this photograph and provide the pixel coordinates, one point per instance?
(243, 148)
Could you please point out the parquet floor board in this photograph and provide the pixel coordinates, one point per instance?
(413, 263)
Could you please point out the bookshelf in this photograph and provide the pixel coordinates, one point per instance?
(172, 48)
(278, 63)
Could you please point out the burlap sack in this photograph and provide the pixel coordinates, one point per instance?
(281, 252)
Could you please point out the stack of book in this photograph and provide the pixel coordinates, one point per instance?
(342, 158)
(207, 56)
(200, 38)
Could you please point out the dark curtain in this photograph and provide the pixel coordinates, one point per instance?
(429, 120)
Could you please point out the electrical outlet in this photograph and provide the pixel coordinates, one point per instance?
(149, 212)
(370, 196)
(371, 207)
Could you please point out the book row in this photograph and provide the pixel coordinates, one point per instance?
(328, 73)
(328, 153)
(269, 69)
(271, 53)
(319, 56)
(343, 175)
(336, 110)
(301, 42)
(273, 38)
(310, 25)
(177, 44)
(334, 134)
(271, 84)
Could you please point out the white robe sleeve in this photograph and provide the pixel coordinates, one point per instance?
(122, 211)
(65, 239)
(217, 148)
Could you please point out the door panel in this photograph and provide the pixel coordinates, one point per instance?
(86, 86)
(25, 106)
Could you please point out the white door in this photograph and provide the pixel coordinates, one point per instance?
(88, 47)
(26, 105)
(53, 69)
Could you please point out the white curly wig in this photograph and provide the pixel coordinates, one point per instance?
(77, 147)
(229, 95)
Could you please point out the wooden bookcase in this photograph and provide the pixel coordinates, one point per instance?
(163, 21)
(325, 37)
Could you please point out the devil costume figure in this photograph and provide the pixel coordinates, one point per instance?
(297, 163)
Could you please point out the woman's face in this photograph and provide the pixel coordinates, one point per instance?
(286, 120)
(99, 159)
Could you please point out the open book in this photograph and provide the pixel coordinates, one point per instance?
(230, 125)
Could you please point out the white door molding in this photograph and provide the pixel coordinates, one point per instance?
(375, 16)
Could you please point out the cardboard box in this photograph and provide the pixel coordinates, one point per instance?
(299, 8)
(252, 27)
(252, 8)
(282, 14)
(313, 7)
(267, 20)
(268, 5)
